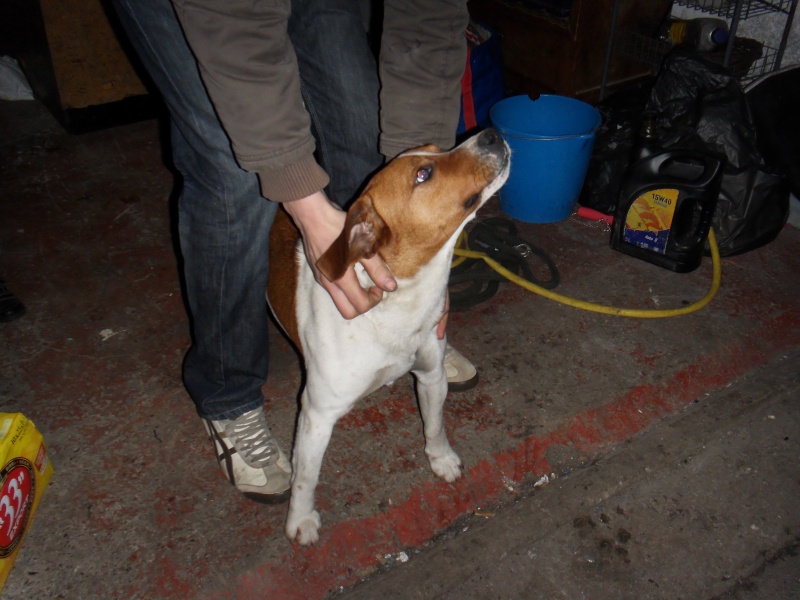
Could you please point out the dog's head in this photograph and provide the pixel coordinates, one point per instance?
(415, 204)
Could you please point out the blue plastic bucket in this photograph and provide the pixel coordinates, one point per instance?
(551, 140)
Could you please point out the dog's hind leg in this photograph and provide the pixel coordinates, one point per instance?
(432, 392)
(314, 428)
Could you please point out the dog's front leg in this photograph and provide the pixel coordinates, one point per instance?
(432, 392)
(314, 428)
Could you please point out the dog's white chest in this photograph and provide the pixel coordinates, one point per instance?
(358, 356)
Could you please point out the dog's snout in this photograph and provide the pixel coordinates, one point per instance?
(489, 137)
(490, 140)
(489, 143)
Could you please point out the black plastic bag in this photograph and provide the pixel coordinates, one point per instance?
(752, 209)
(699, 106)
(622, 115)
(775, 104)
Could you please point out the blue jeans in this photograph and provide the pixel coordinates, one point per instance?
(223, 222)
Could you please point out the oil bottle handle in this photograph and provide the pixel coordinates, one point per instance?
(712, 167)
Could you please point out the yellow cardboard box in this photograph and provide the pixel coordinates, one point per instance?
(26, 471)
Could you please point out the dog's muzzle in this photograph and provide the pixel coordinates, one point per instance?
(489, 143)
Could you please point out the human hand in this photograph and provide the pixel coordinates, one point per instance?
(320, 223)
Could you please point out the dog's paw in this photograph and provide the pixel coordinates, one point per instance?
(305, 530)
(447, 466)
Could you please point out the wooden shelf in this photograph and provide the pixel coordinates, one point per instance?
(566, 56)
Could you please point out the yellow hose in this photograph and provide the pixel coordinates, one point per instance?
(716, 278)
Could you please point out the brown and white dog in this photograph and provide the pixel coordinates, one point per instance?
(411, 214)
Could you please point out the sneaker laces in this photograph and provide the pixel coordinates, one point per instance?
(252, 438)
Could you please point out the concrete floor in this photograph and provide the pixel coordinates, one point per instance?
(701, 505)
(138, 509)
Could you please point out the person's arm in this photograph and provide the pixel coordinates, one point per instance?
(250, 70)
(422, 60)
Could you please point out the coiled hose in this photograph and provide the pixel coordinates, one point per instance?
(657, 313)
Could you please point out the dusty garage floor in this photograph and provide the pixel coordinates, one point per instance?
(138, 509)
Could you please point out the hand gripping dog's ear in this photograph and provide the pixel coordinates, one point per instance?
(364, 234)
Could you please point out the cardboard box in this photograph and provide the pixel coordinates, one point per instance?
(77, 61)
(26, 471)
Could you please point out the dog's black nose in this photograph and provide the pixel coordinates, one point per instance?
(489, 139)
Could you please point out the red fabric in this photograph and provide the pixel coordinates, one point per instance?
(466, 95)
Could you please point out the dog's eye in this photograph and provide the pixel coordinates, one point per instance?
(471, 201)
(423, 173)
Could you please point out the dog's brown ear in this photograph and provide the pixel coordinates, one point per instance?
(364, 234)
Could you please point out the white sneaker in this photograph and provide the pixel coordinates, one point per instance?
(461, 374)
(250, 457)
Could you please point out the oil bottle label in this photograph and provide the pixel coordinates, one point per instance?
(649, 219)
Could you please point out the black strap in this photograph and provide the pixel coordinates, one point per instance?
(473, 281)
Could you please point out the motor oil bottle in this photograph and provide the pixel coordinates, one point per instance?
(666, 203)
(705, 34)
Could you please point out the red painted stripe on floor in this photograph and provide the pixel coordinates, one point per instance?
(348, 550)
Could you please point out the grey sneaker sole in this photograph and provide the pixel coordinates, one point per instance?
(462, 386)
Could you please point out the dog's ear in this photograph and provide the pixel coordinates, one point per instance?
(364, 234)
